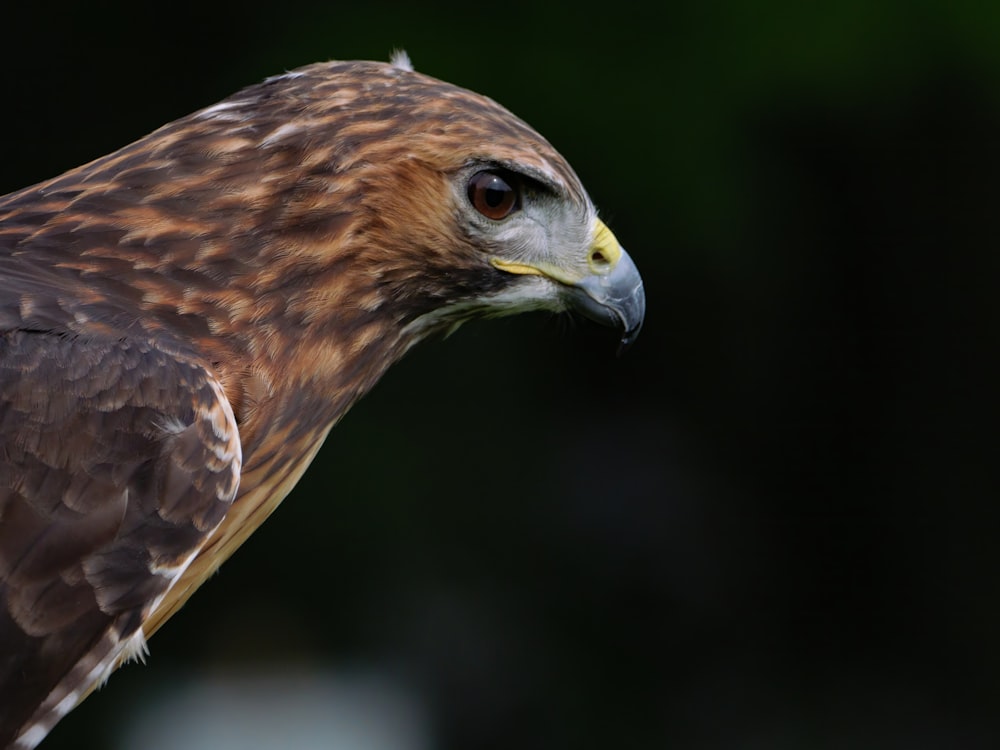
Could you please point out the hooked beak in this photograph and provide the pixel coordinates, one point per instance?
(614, 299)
(610, 292)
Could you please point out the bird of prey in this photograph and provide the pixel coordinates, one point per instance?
(182, 322)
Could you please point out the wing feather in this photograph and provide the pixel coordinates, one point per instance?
(117, 460)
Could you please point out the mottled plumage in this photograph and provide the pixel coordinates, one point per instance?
(184, 320)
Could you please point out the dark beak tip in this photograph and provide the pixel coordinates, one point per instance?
(627, 340)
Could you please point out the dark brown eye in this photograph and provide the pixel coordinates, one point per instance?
(492, 195)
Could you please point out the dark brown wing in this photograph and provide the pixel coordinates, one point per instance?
(116, 461)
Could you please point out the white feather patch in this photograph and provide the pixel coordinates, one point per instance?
(135, 649)
(222, 111)
(399, 59)
(31, 737)
(531, 293)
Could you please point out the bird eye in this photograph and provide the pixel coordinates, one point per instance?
(492, 195)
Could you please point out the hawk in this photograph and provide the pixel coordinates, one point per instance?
(184, 320)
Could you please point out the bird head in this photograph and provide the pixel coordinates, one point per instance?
(448, 205)
(499, 223)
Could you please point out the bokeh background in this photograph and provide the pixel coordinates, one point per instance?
(772, 524)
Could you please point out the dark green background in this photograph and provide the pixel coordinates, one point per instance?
(773, 524)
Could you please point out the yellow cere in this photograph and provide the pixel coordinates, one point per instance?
(605, 252)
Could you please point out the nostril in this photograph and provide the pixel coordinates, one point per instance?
(604, 250)
(599, 261)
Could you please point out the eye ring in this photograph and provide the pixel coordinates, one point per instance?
(492, 194)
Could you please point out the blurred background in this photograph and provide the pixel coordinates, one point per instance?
(772, 524)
